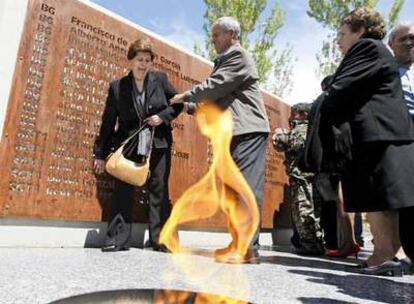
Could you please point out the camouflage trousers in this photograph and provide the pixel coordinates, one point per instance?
(306, 213)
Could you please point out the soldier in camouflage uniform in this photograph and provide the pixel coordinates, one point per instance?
(305, 205)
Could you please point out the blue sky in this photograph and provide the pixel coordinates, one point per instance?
(181, 21)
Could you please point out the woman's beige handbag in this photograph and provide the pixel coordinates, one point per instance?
(127, 170)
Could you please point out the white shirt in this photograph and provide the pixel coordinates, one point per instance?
(407, 81)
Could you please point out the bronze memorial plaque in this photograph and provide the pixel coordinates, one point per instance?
(69, 52)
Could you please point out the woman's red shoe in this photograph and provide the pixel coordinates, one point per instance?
(341, 253)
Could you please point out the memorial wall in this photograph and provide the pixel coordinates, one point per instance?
(69, 52)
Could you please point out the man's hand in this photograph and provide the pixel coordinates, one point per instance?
(153, 120)
(190, 107)
(99, 166)
(178, 98)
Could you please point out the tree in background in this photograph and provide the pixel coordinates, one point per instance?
(329, 14)
(256, 36)
(280, 82)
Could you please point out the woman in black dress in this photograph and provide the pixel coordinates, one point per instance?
(366, 95)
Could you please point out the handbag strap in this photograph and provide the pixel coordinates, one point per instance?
(152, 138)
(136, 132)
(133, 134)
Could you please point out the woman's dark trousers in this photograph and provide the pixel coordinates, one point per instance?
(158, 197)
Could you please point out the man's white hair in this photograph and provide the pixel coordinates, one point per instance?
(229, 24)
(395, 29)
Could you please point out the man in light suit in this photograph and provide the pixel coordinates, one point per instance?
(233, 84)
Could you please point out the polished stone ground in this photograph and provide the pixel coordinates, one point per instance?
(37, 275)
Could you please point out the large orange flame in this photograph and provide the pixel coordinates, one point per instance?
(222, 187)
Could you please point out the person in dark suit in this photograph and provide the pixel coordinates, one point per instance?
(234, 84)
(139, 99)
(339, 224)
(373, 130)
(401, 41)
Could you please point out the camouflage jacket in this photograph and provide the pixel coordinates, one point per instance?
(292, 143)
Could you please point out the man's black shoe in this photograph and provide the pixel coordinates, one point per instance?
(295, 240)
(161, 248)
(148, 244)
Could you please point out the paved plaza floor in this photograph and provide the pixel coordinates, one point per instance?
(44, 275)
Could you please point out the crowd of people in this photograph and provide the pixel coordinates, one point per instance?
(352, 148)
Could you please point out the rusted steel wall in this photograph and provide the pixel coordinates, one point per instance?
(69, 52)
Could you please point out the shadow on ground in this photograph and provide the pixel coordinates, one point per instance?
(370, 288)
(301, 262)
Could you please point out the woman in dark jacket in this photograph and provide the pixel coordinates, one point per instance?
(138, 99)
(366, 95)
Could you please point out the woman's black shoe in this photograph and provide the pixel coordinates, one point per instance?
(113, 248)
(359, 266)
(407, 266)
(117, 235)
(390, 268)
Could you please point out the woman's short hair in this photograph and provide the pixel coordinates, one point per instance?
(369, 19)
(140, 45)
